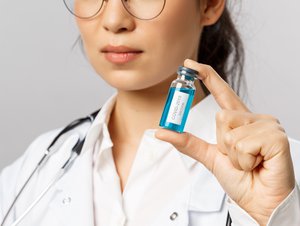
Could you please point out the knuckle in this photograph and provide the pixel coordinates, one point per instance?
(280, 140)
(207, 70)
(222, 116)
(280, 128)
(282, 137)
(219, 116)
(210, 68)
(272, 118)
(185, 142)
(272, 126)
(239, 146)
(228, 138)
(276, 120)
(247, 121)
(222, 148)
(207, 67)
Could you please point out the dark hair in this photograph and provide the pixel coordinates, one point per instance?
(222, 48)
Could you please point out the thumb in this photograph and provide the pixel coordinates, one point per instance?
(190, 145)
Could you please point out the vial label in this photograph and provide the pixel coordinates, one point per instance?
(177, 107)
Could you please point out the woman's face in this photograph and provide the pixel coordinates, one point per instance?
(153, 48)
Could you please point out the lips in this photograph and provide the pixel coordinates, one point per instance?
(120, 54)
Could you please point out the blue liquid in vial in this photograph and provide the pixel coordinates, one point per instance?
(179, 126)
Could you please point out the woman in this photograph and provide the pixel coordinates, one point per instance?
(229, 160)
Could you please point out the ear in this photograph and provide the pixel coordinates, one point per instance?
(212, 11)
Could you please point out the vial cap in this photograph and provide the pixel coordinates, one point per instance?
(188, 72)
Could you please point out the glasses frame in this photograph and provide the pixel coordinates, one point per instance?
(123, 3)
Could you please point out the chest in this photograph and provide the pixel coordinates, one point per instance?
(160, 190)
(123, 158)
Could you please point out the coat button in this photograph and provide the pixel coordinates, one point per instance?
(174, 216)
(66, 200)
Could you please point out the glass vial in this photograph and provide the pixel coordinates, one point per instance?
(179, 100)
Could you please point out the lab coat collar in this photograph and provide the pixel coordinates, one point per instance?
(206, 194)
(99, 125)
(75, 194)
(200, 122)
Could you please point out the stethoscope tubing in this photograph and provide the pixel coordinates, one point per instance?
(58, 175)
(74, 154)
(24, 186)
(228, 219)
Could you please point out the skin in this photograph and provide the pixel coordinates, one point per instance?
(145, 81)
(251, 159)
(252, 149)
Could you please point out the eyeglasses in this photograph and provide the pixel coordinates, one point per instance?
(141, 9)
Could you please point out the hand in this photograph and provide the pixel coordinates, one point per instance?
(251, 159)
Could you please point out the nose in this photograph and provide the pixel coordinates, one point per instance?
(115, 17)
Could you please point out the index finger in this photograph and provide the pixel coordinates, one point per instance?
(222, 92)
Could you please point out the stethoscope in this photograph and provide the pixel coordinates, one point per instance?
(75, 152)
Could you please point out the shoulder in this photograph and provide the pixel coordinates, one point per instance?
(10, 174)
(30, 158)
(295, 152)
(36, 148)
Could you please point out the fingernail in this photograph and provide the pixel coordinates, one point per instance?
(188, 62)
(195, 66)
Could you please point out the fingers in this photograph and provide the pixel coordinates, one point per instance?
(226, 121)
(254, 149)
(190, 145)
(224, 95)
(247, 153)
(241, 136)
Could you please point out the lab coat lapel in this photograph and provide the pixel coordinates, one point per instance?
(168, 190)
(43, 213)
(202, 192)
(74, 204)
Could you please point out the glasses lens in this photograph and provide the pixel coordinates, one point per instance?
(84, 8)
(144, 9)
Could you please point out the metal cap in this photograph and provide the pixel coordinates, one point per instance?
(188, 72)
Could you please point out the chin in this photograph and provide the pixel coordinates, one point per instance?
(129, 80)
(136, 77)
(130, 86)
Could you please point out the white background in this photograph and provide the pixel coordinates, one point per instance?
(44, 83)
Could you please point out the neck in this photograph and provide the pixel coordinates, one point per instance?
(136, 111)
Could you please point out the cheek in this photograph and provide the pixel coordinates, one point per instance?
(181, 32)
(89, 36)
(173, 37)
(168, 40)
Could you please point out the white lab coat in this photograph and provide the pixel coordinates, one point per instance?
(70, 201)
